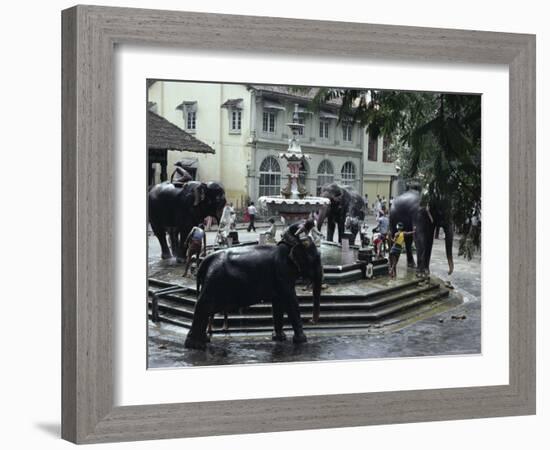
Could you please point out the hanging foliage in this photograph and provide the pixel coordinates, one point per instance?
(435, 138)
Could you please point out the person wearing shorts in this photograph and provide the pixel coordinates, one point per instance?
(196, 245)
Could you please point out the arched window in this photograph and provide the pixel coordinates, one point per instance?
(325, 174)
(270, 177)
(348, 173)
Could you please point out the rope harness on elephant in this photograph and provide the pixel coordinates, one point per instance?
(292, 241)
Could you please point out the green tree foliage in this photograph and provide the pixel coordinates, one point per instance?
(435, 139)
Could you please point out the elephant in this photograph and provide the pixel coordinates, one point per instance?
(344, 202)
(239, 277)
(176, 209)
(407, 209)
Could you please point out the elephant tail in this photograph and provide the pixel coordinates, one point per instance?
(201, 273)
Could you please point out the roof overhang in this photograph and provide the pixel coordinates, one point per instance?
(270, 104)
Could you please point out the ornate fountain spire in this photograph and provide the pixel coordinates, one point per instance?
(293, 203)
(295, 158)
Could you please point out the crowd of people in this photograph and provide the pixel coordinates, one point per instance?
(380, 237)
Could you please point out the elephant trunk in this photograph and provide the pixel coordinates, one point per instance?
(317, 283)
(449, 245)
(219, 212)
(322, 216)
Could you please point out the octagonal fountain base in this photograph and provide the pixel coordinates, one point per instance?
(344, 266)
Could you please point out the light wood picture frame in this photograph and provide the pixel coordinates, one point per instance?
(89, 35)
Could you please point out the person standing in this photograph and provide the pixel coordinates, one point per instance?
(383, 228)
(363, 234)
(377, 206)
(252, 211)
(228, 217)
(180, 176)
(395, 252)
(271, 233)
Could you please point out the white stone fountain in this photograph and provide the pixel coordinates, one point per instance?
(294, 203)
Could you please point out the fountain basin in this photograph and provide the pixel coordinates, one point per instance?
(292, 209)
(339, 267)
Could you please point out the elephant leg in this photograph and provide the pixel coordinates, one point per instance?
(181, 249)
(408, 247)
(197, 337)
(160, 233)
(340, 231)
(293, 313)
(174, 241)
(420, 252)
(330, 230)
(424, 241)
(428, 253)
(278, 311)
(209, 330)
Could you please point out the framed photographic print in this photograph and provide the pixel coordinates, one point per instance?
(318, 210)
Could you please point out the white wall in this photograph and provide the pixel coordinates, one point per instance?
(228, 164)
(30, 388)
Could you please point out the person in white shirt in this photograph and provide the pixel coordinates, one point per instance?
(383, 228)
(377, 206)
(228, 217)
(271, 233)
(316, 235)
(252, 211)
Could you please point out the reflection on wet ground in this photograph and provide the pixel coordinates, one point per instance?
(438, 335)
(450, 332)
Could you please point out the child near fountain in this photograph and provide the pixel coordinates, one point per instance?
(196, 246)
(395, 252)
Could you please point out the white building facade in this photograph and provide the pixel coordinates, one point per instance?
(246, 125)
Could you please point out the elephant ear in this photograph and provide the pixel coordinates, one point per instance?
(199, 193)
(296, 256)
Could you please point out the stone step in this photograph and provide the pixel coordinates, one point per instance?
(357, 321)
(334, 313)
(186, 303)
(217, 330)
(190, 292)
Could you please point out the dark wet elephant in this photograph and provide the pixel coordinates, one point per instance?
(344, 202)
(240, 277)
(408, 210)
(176, 209)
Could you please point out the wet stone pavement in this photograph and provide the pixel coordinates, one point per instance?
(453, 331)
